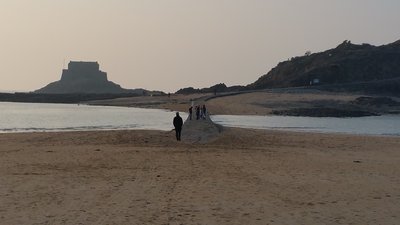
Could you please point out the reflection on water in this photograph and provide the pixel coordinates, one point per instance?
(374, 125)
(28, 117)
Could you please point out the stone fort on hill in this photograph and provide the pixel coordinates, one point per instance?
(82, 77)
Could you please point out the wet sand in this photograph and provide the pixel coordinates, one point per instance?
(239, 176)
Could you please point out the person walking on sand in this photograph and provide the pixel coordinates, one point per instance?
(178, 122)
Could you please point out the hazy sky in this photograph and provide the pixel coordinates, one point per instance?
(169, 44)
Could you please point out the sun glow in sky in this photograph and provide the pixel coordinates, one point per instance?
(169, 44)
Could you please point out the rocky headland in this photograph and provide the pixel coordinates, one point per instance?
(352, 67)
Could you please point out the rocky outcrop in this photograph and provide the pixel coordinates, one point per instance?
(375, 101)
(82, 77)
(323, 112)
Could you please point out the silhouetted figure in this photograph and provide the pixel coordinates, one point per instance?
(204, 109)
(197, 112)
(178, 122)
(190, 112)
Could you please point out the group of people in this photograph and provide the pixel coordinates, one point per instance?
(201, 113)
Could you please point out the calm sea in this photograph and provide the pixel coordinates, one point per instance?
(371, 125)
(28, 117)
(35, 117)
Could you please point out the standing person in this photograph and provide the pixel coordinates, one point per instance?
(204, 112)
(190, 112)
(178, 122)
(197, 112)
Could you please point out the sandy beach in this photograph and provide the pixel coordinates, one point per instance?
(216, 175)
(237, 176)
(264, 102)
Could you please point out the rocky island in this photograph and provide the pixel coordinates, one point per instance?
(82, 81)
(83, 77)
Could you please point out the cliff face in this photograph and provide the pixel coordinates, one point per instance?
(82, 77)
(347, 63)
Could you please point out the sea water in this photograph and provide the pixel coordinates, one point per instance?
(371, 125)
(30, 117)
(38, 117)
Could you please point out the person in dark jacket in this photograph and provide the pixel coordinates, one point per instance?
(190, 112)
(204, 110)
(197, 112)
(178, 122)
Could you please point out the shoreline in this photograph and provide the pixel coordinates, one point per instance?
(215, 175)
(281, 130)
(278, 128)
(289, 102)
(310, 102)
(222, 128)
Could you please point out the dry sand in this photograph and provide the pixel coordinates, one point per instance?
(263, 103)
(238, 177)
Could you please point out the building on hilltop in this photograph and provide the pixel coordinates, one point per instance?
(82, 77)
(83, 70)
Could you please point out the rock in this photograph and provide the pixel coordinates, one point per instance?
(376, 101)
(200, 131)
